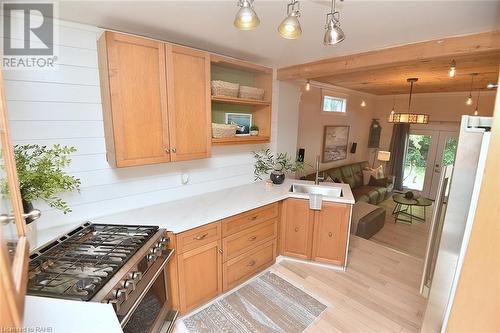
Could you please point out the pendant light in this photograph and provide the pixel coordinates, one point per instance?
(246, 18)
(453, 69)
(393, 105)
(409, 117)
(363, 103)
(469, 100)
(290, 26)
(308, 85)
(476, 112)
(333, 32)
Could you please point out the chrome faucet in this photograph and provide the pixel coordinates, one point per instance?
(318, 178)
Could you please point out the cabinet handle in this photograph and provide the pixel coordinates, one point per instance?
(296, 229)
(167, 150)
(330, 234)
(174, 150)
(200, 237)
(252, 218)
(220, 251)
(251, 239)
(251, 263)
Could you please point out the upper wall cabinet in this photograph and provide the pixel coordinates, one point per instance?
(148, 119)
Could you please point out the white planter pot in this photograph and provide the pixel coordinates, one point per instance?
(254, 133)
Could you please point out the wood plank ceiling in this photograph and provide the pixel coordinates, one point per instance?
(384, 72)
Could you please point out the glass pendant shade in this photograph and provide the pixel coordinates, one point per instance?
(246, 18)
(290, 27)
(333, 32)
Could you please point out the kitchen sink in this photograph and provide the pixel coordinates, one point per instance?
(326, 191)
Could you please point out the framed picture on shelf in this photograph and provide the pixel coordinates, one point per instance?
(335, 139)
(242, 120)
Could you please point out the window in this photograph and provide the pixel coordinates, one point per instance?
(334, 104)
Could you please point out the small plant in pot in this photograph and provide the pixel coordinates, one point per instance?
(41, 175)
(254, 130)
(274, 165)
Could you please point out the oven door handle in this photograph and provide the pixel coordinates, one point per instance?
(143, 293)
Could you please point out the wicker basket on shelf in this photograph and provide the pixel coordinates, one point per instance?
(223, 131)
(251, 93)
(223, 88)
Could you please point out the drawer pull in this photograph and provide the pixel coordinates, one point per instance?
(251, 263)
(330, 234)
(200, 237)
(252, 218)
(220, 251)
(251, 239)
(296, 229)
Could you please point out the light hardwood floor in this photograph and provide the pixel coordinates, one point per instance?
(410, 239)
(377, 293)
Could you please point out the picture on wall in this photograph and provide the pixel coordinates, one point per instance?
(335, 139)
(243, 120)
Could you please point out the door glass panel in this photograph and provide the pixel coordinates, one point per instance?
(416, 161)
(450, 151)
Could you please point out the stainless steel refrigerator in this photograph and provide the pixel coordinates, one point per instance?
(449, 236)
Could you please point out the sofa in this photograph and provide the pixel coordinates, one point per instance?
(352, 174)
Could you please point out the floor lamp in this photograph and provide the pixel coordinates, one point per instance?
(384, 156)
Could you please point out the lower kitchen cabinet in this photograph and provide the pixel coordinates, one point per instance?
(330, 233)
(319, 235)
(297, 228)
(199, 275)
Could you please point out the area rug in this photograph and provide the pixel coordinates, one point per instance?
(266, 304)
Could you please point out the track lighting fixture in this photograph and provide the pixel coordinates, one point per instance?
(290, 26)
(246, 17)
(453, 69)
(491, 86)
(333, 32)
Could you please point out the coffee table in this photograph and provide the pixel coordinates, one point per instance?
(408, 204)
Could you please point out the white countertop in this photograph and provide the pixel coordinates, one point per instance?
(189, 213)
(43, 314)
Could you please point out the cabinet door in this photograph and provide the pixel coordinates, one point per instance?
(135, 107)
(330, 233)
(200, 275)
(189, 111)
(297, 228)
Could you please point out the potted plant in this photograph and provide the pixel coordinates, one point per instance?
(254, 130)
(41, 175)
(274, 165)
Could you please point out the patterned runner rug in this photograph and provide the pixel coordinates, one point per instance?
(267, 304)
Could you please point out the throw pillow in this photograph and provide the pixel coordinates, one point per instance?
(382, 182)
(336, 180)
(366, 176)
(379, 172)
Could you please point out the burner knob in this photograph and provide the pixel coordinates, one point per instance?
(128, 284)
(151, 256)
(136, 276)
(118, 296)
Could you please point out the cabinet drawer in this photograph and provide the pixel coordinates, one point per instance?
(247, 239)
(195, 238)
(239, 269)
(245, 220)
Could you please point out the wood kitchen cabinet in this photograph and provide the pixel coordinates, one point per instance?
(330, 233)
(156, 100)
(318, 235)
(199, 275)
(297, 228)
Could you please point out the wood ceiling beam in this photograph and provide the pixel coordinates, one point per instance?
(445, 47)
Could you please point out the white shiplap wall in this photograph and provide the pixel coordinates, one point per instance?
(64, 106)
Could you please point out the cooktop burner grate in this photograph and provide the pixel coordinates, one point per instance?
(80, 263)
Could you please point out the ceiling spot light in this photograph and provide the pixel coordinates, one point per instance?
(308, 85)
(246, 18)
(453, 69)
(333, 32)
(491, 86)
(290, 26)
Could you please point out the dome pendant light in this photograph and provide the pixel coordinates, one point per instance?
(333, 32)
(290, 26)
(246, 18)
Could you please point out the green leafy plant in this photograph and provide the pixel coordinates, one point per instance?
(266, 161)
(41, 174)
(254, 128)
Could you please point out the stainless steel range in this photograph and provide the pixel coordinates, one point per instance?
(117, 264)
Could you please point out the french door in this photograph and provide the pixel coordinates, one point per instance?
(427, 152)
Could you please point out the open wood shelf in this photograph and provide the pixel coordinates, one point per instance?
(239, 101)
(235, 140)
